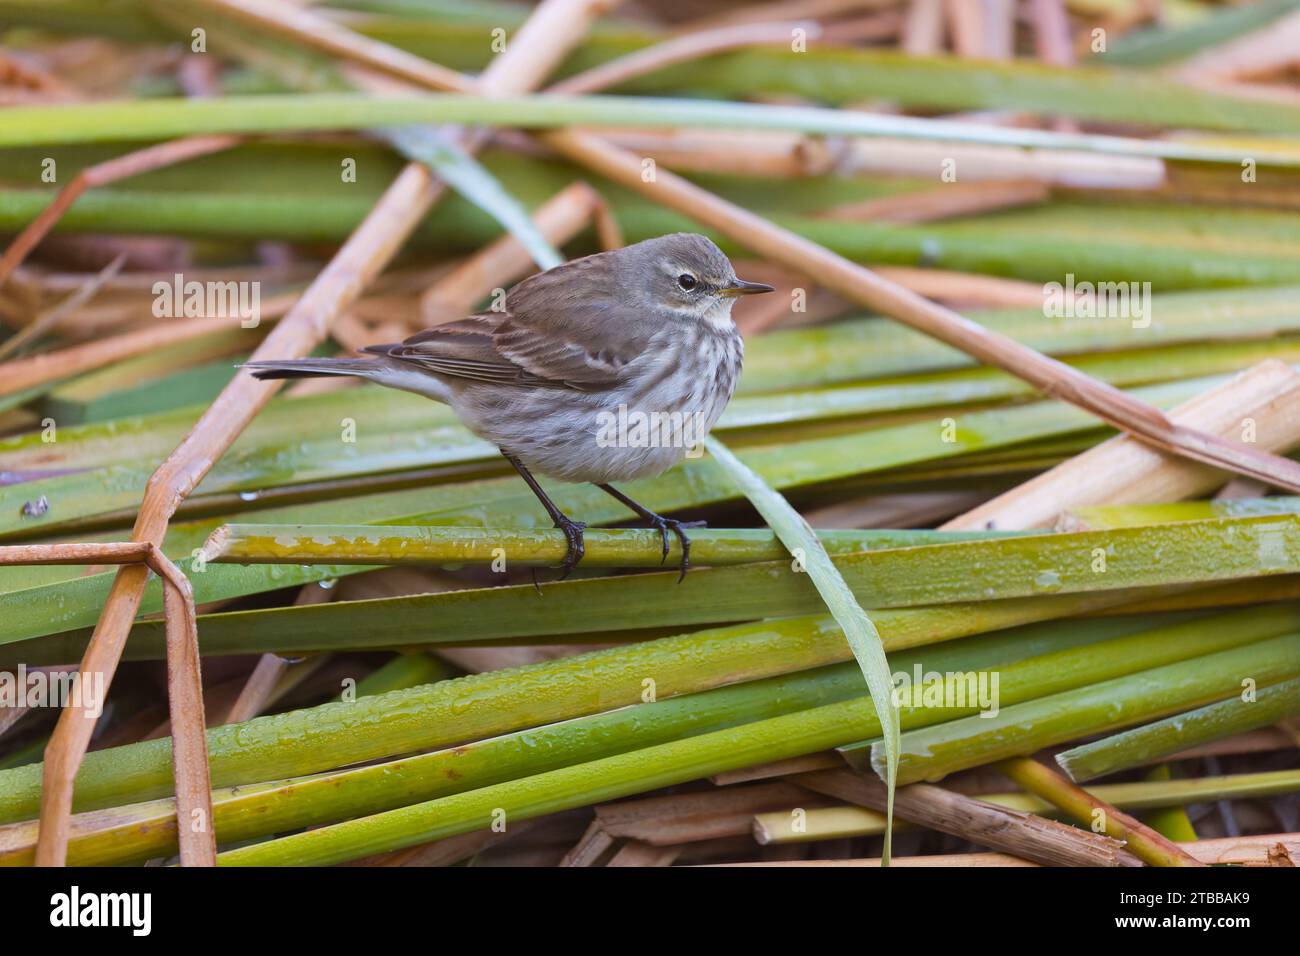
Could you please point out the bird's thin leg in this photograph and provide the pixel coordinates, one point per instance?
(663, 524)
(572, 529)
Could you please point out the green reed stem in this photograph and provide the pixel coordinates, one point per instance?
(397, 544)
(1221, 549)
(934, 752)
(162, 118)
(1181, 732)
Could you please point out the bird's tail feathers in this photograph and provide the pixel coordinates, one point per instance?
(382, 371)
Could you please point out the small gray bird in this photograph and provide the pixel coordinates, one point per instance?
(606, 368)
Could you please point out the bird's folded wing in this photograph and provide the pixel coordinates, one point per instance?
(461, 349)
(496, 347)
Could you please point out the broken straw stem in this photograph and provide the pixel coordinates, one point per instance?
(1087, 808)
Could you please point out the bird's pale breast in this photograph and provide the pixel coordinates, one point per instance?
(666, 401)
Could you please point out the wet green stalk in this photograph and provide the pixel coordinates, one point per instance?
(1172, 821)
(397, 544)
(165, 118)
(1181, 732)
(934, 752)
(579, 785)
(1101, 517)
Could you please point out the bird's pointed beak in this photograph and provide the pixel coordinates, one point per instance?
(741, 287)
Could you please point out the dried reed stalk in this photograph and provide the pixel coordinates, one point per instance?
(636, 853)
(760, 153)
(325, 35)
(449, 851)
(184, 681)
(197, 840)
(1272, 47)
(947, 202)
(999, 28)
(1123, 471)
(1264, 740)
(481, 659)
(885, 26)
(1020, 834)
(1051, 32)
(781, 10)
(692, 817)
(781, 154)
(18, 375)
(969, 288)
(595, 843)
(257, 689)
(690, 46)
(47, 320)
(923, 30)
(116, 552)
(1074, 169)
(1273, 849)
(1142, 841)
(967, 26)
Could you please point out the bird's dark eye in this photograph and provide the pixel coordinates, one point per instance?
(686, 281)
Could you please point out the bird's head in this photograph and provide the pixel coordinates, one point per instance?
(686, 274)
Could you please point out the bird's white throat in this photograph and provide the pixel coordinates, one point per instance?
(714, 312)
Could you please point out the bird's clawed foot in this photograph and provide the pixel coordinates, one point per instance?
(664, 525)
(573, 533)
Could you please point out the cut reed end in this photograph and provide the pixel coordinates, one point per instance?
(1066, 762)
(213, 547)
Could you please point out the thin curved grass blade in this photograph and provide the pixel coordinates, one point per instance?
(802, 542)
